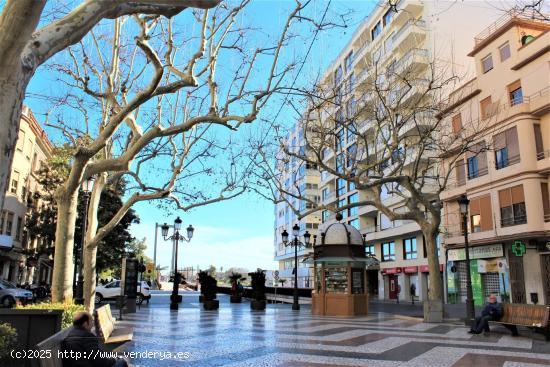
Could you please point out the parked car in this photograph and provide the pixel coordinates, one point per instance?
(10, 294)
(112, 290)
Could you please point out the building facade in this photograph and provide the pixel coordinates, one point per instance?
(33, 147)
(504, 110)
(413, 38)
(301, 179)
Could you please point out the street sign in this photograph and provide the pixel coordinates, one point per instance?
(518, 248)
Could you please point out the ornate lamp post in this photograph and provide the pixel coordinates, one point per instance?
(296, 243)
(463, 202)
(176, 237)
(86, 187)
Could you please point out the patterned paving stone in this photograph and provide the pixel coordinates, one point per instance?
(237, 337)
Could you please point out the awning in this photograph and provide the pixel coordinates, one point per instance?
(368, 261)
(6, 242)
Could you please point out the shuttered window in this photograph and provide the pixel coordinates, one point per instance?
(476, 158)
(506, 146)
(460, 173)
(512, 206)
(545, 201)
(457, 124)
(486, 107)
(481, 214)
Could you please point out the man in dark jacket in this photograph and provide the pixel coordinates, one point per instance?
(491, 312)
(83, 343)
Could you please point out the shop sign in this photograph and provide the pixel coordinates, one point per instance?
(492, 266)
(518, 248)
(426, 269)
(392, 270)
(410, 269)
(478, 252)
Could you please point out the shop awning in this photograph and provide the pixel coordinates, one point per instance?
(369, 261)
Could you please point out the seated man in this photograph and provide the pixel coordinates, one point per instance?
(492, 311)
(81, 341)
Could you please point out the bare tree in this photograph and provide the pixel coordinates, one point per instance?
(386, 132)
(24, 47)
(154, 112)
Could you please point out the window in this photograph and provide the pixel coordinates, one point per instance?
(2, 216)
(512, 206)
(388, 46)
(437, 244)
(340, 187)
(457, 124)
(538, 141)
(340, 139)
(486, 106)
(351, 186)
(506, 147)
(388, 251)
(21, 141)
(352, 199)
(388, 16)
(324, 216)
(18, 227)
(14, 182)
(348, 61)
(376, 31)
(515, 93)
(481, 214)
(354, 223)
(352, 153)
(409, 246)
(9, 223)
(545, 201)
(340, 161)
(369, 250)
(342, 203)
(338, 76)
(476, 159)
(487, 63)
(504, 51)
(460, 172)
(385, 222)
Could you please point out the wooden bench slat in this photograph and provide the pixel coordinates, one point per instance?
(525, 315)
(106, 327)
(120, 335)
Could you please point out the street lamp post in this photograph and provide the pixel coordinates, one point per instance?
(463, 202)
(295, 242)
(176, 237)
(86, 187)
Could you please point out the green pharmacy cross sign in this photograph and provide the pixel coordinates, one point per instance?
(518, 248)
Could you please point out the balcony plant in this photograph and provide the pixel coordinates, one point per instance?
(236, 287)
(258, 301)
(209, 287)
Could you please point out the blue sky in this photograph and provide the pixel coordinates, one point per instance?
(238, 232)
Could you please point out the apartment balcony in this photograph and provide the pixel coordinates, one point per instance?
(326, 178)
(409, 10)
(543, 162)
(413, 62)
(368, 211)
(417, 124)
(376, 233)
(411, 34)
(329, 198)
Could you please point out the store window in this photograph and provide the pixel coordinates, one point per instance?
(409, 247)
(388, 251)
(336, 279)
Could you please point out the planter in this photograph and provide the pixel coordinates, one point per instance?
(257, 305)
(236, 299)
(32, 326)
(179, 298)
(211, 305)
(201, 298)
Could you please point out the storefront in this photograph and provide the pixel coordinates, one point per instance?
(489, 274)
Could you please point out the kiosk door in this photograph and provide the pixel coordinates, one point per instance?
(393, 286)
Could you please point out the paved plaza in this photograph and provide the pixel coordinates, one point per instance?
(236, 336)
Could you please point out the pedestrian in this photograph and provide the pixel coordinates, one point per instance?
(81, 341)
(492, 311)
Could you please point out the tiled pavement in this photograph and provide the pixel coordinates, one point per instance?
(236, 336)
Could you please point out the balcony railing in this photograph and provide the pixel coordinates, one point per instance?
(406, 59)
(518, 219)
(542, 155)
(513, 14)
(547, 217)
(478, 173)
(407, 26)
(508, 161)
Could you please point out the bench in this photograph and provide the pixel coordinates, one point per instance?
(52, 346)
(532, 316)
(105, 326)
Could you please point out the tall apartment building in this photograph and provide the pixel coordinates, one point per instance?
(33, 147)
(506, 175)
(418, 35)
(296, 177)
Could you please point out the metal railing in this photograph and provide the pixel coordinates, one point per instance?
(513, 14)
(518, 219)
(406, 27)
(508, 161)
(542, 155)
(478, 173)
(547, 217)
